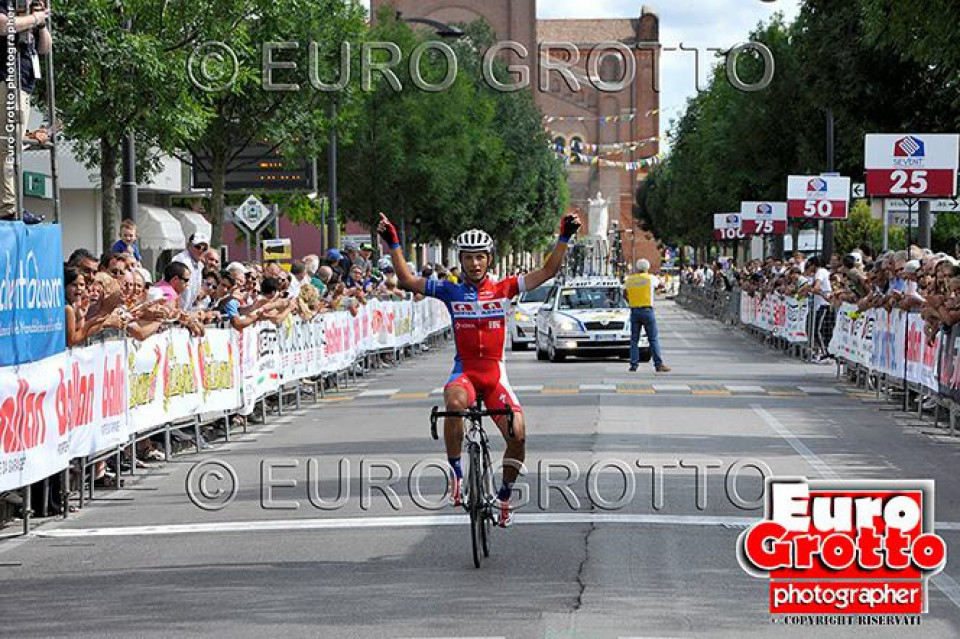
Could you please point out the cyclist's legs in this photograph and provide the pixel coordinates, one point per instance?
(499, 395)
(458, 395)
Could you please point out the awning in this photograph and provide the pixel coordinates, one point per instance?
(192, 222)
(157, 229)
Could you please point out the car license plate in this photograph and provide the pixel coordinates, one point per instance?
(605, 338)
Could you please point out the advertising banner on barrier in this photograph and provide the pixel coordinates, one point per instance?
(748, 310)
(889, 343)
(30, 442)
(948, 372)
(795, 328)
(853, 335)
(91, 399)
(921, 355)
(146, 362)
(87, 400)
(31, 293)
(181, 385)
(219, 366)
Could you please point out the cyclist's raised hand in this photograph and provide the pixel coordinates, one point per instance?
(405, 278)
(388, 232)
(569, 225)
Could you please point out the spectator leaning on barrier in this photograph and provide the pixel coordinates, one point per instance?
(192, 257)
(211, 260)
(295, 279)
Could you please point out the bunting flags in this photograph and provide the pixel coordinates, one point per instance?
(572, 157)
(626, 117)
(612, 147)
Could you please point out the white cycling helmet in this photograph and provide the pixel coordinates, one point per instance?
(475, 240)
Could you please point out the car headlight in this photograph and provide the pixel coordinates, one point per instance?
(567, 325)
(521, 317)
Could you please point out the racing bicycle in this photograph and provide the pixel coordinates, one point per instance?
(479, 477)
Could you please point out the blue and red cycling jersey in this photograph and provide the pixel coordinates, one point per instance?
(479, 316)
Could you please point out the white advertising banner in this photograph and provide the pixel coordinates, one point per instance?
(218, 362)
(182, 395)
(89, 400)
(92, 399)
(32, 442)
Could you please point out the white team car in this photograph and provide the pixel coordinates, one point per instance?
(522, 318)
(586, 317)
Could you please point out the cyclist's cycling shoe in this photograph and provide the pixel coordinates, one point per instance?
(502, 513)
(458, 493)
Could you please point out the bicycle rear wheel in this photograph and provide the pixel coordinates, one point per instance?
(476, 504)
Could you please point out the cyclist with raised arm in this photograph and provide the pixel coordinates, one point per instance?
(478, 307)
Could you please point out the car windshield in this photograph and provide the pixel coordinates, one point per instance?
(536, 295)
(594, 297)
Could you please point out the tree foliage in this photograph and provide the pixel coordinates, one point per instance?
(729, 146)
(441, 162)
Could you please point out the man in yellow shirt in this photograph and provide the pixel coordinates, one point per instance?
(640, 287)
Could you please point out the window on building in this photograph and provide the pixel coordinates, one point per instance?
(560, 145)
(576, 147)
(611, 68)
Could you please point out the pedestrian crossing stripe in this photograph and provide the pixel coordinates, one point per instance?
(703, 389)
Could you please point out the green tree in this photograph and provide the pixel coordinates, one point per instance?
(439, 162)
(111, 81)
(282, 109)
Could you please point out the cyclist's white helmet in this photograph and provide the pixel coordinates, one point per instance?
(475, 240)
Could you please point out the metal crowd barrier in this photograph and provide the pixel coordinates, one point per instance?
(83, 484)
(894, 392)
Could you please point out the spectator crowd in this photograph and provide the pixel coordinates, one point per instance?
(914, 279)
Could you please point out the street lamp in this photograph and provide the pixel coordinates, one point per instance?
(443, 30)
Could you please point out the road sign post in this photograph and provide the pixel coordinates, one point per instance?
(912, 167)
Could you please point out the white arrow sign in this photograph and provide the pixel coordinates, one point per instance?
(945, 205)
(858, 191)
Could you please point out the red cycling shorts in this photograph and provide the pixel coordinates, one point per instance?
(487, 377)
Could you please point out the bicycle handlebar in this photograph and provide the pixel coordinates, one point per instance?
(471, 413)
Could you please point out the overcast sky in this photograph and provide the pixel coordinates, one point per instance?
(701, 23)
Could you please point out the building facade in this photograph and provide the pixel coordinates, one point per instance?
(605, 132)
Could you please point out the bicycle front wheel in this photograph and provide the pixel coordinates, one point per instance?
(486, 480)
(476, 505)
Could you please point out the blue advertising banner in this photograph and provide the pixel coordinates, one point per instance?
(31, 293)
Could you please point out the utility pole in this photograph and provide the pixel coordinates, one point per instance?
(828, 224)
(128, 157)
(333, 227)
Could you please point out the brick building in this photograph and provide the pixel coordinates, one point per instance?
(615, 126)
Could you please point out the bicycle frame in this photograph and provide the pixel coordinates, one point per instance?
(480, 472)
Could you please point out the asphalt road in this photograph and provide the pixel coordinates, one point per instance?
(147, 562)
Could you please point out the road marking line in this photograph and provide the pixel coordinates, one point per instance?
(746, 389)
(437, 391)
(411, 395)
(560, 391)
(719, 393)
(670, 387)
(598, 387)
(636, 391)
(536, 388)
(352, 523)
(387, 392)
(808, 455)
(333, 400)
(820, 390)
